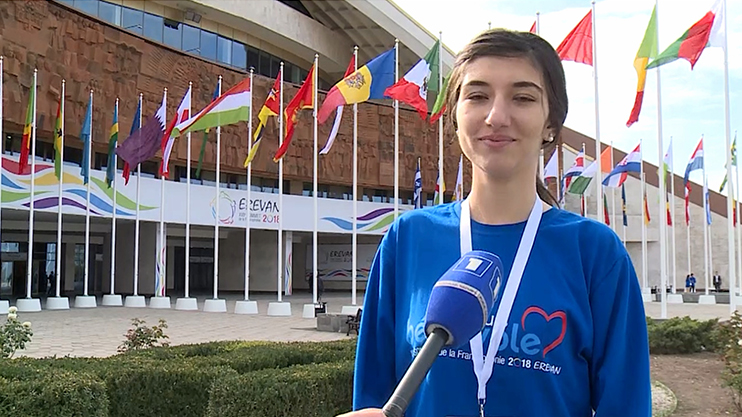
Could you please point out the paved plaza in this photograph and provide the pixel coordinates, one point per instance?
(98, 332)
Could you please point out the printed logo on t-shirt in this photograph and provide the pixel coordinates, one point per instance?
(528, 342)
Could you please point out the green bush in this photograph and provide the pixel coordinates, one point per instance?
(55, 393)
(317, 390)
(682, 335)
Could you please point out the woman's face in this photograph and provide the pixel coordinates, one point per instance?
(502, 115)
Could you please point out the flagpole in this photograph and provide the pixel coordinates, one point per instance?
(645, 282)
(280, 308)
(441, 180)
(737, 220)
(113, 215)
(612, 216)
(187, 303)
(136, 300)
(161, 264)
(31, 304)
(315, 190)
(246, 306)
(688, 231)
(705, 228)
(730, 221)
(354, 266)
(4, 304)
(597, 115)
(662, 191)
(396, 132)
(674, 223)
(87, 205)
(62, 304)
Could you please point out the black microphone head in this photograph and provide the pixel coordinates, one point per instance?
(462, 298)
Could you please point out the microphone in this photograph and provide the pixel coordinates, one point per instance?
(458, 309)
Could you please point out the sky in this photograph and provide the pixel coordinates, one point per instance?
(693, 101)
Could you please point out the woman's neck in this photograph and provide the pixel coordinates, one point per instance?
(506, 201)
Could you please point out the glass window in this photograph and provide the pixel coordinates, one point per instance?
(132, 20)
(208, 45)
(110, 13)
(191, 39)
(275, 67)
(253, 59)
(153, 26)
(88, 6)
(239, 55)
(264, 67)
(224, 50)
(173, 32)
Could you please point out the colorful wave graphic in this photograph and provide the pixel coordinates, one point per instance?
(16, 187)
(378, 219)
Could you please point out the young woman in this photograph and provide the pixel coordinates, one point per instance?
(575, 339)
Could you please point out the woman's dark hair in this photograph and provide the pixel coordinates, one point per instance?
(510, 44)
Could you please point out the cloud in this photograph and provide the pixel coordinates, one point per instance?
(692, 100)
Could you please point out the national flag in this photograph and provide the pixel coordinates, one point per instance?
(647, 51)
(206, 134)
(667, 209)
(417, 199)
(706, 196)
(623, 205)
(708, 31)
(304, 99)
(440, 189)
(458, 191)
(696, 161)
(168, 139)
(366, 83)
(550, 171)
(580, 184)
(230, 108)
(440, 102)
(667, 163)
(578, 45)
(647, 219)
(734, 162)
(85, 133)
(27, 129)
(533, 27)
(575, 170)
(112, 140)
(606, 216)
(582, 205)
(413, 87)
(136, 124)
(687, 204)
(632, 162)
(144, 143)
(58, 134)
(339, 112)
(270, 108)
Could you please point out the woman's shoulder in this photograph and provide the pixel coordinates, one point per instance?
(446, 214)
(589, 234)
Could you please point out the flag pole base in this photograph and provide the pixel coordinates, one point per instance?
(159, 302)
(674, 298)
(112, 300)
(135, 301)
(278, 308)
(707, 299)
(246, 307)
(85, 301)
(350, 310)
(4, 306)
(186, 304)
(28, 304)
(215, 305)
(309, 311)
(57, 303)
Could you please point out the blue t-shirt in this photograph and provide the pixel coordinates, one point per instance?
(576, 339)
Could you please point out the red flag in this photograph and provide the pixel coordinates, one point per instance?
(669, 215)
(687, 201)
(304, 99)
(126, 173)
(533, 27)
(606, 216)
(578, 45)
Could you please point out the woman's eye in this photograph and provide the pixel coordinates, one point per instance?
(476, 96)
(524, 99)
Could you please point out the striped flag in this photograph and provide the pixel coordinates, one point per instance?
(58, 133)
(623, 205)
(687, 204)
(26, 138)
(112, 140)
(417, 199)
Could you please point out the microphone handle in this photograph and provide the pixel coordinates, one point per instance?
(415, 374)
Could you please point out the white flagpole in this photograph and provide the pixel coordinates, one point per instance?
(162, 250)
(730, 221)
(187, 303)
(441, 180)
(59, 201)
(612, 215)
(674, 222)
(314, 182)
(87, 205)
(662, 192)
(33, 305)
(538, 23)
(354, 266)
(688, 235)
(705, 228)
(737, 224)
(216, 305)
(136, 223)
(396, 132)
(113, 211)
(645, 283)
(246, 306)
(599, 173)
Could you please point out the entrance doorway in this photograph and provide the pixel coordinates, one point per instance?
(201, 270)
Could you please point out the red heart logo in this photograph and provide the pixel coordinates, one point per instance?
(557, 314)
